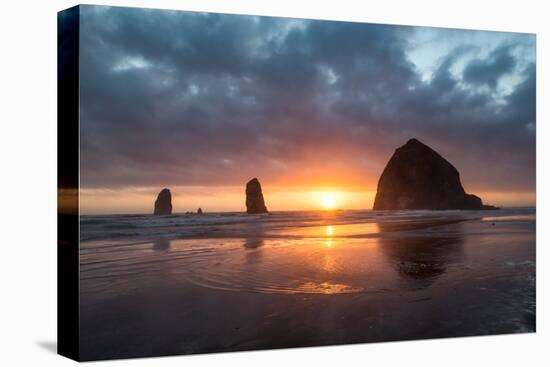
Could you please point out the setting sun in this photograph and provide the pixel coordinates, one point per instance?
(328, 201)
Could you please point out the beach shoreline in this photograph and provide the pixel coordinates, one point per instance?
(264, 284)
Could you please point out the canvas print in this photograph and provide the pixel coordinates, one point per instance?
(237, 182)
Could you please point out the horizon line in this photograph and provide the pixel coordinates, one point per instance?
(304, 210)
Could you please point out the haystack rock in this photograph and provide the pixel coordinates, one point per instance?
(163, 204)
(417, 177)
(199, 211)
(254, 198)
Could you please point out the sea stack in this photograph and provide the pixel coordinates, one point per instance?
(199, 211)
(254, 198)
(163, 204)
(417, 177)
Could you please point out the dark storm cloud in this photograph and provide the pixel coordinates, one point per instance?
(489, 71)
(190, 98)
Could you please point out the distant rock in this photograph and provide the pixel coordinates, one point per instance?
(417, 177)
(199, 211)
(163, 204)
(254, 198)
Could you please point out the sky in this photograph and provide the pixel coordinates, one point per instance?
(201, 103)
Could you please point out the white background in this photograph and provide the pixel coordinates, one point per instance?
(28, 183)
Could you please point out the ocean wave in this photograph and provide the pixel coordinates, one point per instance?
(240, 225)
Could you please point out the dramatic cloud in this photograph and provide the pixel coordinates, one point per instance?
(178, 98)
(489, 71)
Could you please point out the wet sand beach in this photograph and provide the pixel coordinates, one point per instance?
(217, 283)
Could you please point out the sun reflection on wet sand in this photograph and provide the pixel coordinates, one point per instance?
(329, 288)
(331, 230)
(329, 265)
(331, 259)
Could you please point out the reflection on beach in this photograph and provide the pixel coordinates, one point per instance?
(161, 245)
(328, 261)
(253, 242)
(329, 231)
(338, 280)
(323, 259)
(422, 256)
(254, 235)
(253, 245)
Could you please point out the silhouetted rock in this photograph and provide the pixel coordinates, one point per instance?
(254, 198)
(417, 177)
(199, 211)
(163, 204)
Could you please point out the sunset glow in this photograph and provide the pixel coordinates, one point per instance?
(213, 134)
(129, 200)
(328, 201)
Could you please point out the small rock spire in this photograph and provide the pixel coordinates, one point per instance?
(163, 204)
(254, 198)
